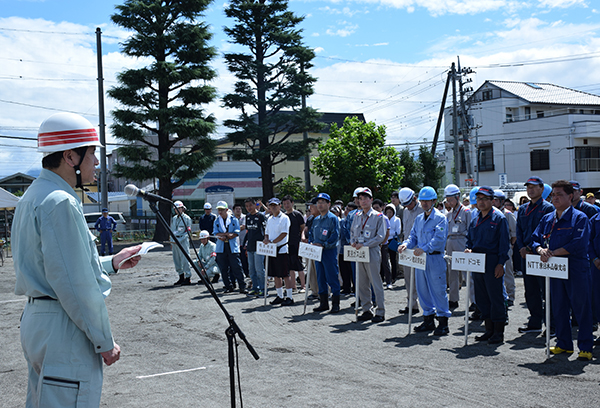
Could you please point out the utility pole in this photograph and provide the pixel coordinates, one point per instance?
(102, 125)
(455, 128)
(464, 128)
(440, 116)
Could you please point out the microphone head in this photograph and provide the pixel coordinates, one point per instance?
(131, 190)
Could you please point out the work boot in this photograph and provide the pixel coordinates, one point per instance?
(427, 325)
(476, 315)
(186, 282)
(324, 303)
(180, 281)
(498, 336)
(489, 331)
(335, 304)
(442, 328)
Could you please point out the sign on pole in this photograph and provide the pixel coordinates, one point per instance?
(352, 254)
(465, 261)
(408, 258)
(310, 251)
(266, 249)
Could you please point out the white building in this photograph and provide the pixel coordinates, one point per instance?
(523, 129)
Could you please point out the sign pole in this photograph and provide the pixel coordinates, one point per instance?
(468, 296)
(307, 280)
(356, 287)
(410, 298)
(547, 279)
(266, 278)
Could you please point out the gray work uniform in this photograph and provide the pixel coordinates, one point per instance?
(458, 226)
(408, 220)
(369, 230)
(65, 325)
(180, 227)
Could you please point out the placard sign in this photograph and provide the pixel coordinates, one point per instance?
(408, 258)
(352, 254)
(309, 251)
(471, 262)
(556, 267)
(266, 250)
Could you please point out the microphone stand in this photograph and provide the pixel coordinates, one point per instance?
(233, 328)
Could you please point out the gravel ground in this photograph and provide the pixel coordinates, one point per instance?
(174, 353)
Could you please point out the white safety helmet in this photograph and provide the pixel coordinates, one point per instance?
(179, 204)
(356, 191)
(451, 190)
(64, 131)
(207, 206)
(204, 234)
(405, 195)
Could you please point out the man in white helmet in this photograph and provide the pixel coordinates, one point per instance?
(180, 225)
(65, 330)
(208, 256)
(458, 226)
(412, 209)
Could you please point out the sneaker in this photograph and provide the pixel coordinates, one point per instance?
(405, 311)
(287, 302)
(558, 350)
(259, 294)
(243, 291)
(377, 319)
(302, 291)
(186, 282)
(215, 278)
(277, 301)
(529, 329)
(584, 356)
(252, 293)
(389, 287)
(472, 307)
(365, 316)
(227, 290)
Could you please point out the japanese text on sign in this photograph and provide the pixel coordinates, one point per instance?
(556, 267)
(471, 262)
(267, 250)
(352, 254)
(408, 258)
(310, 251)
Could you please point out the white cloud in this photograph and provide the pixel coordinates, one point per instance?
(562, 3)
(346, 30)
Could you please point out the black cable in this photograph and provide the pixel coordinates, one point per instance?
(237, 367)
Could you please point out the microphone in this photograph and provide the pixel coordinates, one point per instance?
(133, 191)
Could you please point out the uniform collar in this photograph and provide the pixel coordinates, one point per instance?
(566, 214)
(56, 179)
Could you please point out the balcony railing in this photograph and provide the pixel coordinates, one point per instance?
(586, 165)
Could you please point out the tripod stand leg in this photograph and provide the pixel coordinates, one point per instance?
(230, 333)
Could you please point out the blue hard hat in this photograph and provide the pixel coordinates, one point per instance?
(547, 191)
(499, 194)
(473, 195)
(324, 196)
(427, 193)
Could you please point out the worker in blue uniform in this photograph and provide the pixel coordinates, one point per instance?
(325, 232)
(565, 233)
(488, 234)
(65, 330)
(428, 235)
(594, 255)
(579, 203)
(106, 225)
(528, 218)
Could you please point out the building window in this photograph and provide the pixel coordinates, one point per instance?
(539, 159)
(509, 117)
(540, 114)
(486, 95)
(527, 112)
(485, 161)
(587, 158)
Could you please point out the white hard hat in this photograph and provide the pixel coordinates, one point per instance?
(451, 190)
(207, 206)
(204, 234)
(356, 191)
(405, 195)
(179, 204)
(64, 131)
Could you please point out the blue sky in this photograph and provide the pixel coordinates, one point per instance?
(384, 58)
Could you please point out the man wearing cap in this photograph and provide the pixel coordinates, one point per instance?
(227, 228)
(325, 232)
(565, 233)
(428, 235)
(459, 219)
(528, 218)
(277, 232)
(488, 234)
(369, 230)
(412, 209)
(590, 198)
(65, 329)
(208, 256)
(255, 224)
(346, 267)
(509, 274)
(295, 237)
(207, 221)
(181, 224)
(106, 225)
(579, 203)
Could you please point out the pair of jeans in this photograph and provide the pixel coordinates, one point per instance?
(231, 268)
(256, 267)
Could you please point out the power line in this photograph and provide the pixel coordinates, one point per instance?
(56, 32)
(46, 107)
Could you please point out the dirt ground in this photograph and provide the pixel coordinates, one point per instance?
(174, 353)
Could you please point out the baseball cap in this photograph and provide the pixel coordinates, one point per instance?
(324, 196)
(275, 201)
(535, 180)
(575, 184)
(222, 205)
(486, 191)
(105, 210)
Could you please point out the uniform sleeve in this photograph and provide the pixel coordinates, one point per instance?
(236, 225)
(440, 234)
(520, 241)
(592, 250)
(334, 225)
(97, 225)
(578, 246)
(504, 244)
(537, 238)
(470, 232)
(311, 234)
(412, 240)
(72, 269)
(353, 237)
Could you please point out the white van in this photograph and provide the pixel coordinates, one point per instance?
(91, 219)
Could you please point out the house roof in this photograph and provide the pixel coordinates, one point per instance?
(536, 92)
(16, 175)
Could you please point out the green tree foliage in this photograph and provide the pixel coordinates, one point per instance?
(432, 170)
(413, 175)
(356, 156)
(271, 81)
(292, 186)
(160, 104)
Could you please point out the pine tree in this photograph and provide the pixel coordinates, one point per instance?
(160, 104)
(271, 81)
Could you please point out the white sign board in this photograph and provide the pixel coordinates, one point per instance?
(502, 179)
(556, 267)
(352, 254)
(309, 251)
(470, 262)
(408, 258)
(267, 250)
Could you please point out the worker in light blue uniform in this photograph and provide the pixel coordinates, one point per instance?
(428, 235)
(65, 330)
(565, 232)
(227, 229)
(181, 224)
(489, 234)
(106, 225)
(325, 232)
